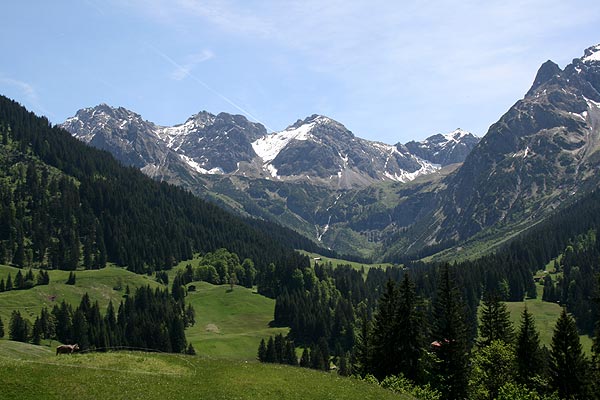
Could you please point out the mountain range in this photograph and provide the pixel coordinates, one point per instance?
(316, 149)
(372, 199)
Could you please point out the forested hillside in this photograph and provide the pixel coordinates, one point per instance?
(66, 205)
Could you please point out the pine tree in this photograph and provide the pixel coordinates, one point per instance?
(305, 359)
(344, 368)
(271, 354)
(19, 328)
(450, 342)
(495, 321)
(71, 279)
(1, 328)
(290, 353)
(9, 285)
(528, 354)
(190, 350)
(19, 280)
(568, 365)
(262, 351)
(363, 349)
(384, 337)
(409, 331)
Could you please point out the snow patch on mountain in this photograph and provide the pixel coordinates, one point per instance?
(269, 146)
(405, 176)
(198, 168)
(592, 54)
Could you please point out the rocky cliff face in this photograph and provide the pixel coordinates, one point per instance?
(317, 149)
(544, 150)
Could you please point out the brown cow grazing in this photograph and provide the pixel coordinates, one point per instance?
(67, 349)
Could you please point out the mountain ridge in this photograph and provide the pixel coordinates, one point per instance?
(317, 148)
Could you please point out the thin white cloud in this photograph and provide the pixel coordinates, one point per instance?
(478, 54)
(29, 93)
(183, 70)
(178, 66)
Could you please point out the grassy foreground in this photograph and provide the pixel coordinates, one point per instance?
(34, 372)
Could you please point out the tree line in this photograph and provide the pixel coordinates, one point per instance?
(149, 319)
(425, 348)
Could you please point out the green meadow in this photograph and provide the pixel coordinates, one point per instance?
(229, 323)
(34, 372)
(545, 314)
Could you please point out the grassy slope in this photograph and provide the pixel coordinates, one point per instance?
(545, 314)
(98, 284)
(228, 324)
(337, 261)
(32, 372)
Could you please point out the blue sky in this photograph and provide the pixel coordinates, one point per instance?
(389, 70)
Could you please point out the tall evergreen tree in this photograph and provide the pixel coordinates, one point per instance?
(568, 365)
(450, 340)
(19, 328)
(384, 338)
(410, 328)
(1, 328)
(290, 353)
(363, 349)
(527, 351)
(271, 353)
(262, 351)
(495, 321)
(305, 359)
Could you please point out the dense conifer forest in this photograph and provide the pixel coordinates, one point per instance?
(66, 205)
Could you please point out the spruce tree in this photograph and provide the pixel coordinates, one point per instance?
(409, 331)
(19, 328)
(262, 351)
(305, 359)
(528, 354)
(190, 351)
(450, 341)
(9, 285)
(385, 331)
(1, 328)
(71, 279)
(363, 349)
(495, 321)
(568, 365)
(290, 353)
(271, 353)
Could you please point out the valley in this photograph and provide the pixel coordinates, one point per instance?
(224, 243)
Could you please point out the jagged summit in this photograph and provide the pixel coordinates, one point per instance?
(547, 71)
(316, 149)
(445, 149)
(592, 54)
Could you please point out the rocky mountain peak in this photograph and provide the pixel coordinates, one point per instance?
(444, 149)
(547, 71)
(592, 54)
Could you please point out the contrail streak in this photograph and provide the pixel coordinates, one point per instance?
(205, 85)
